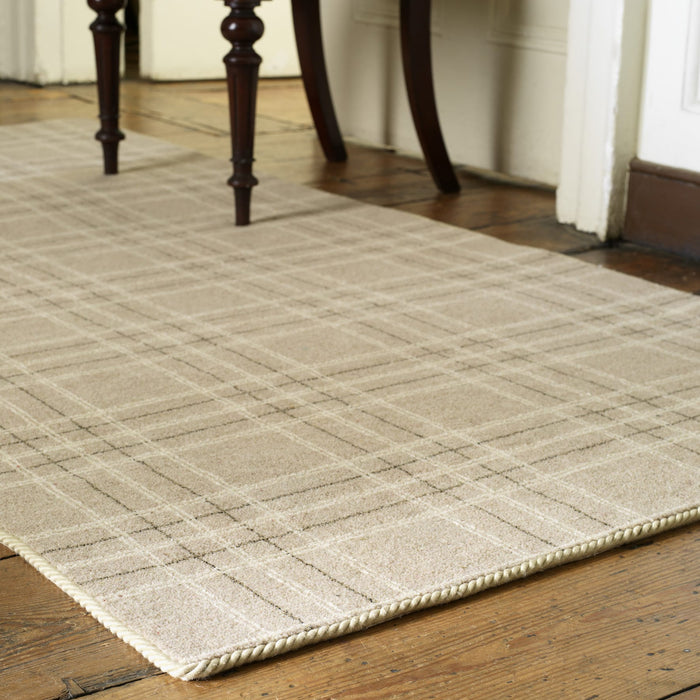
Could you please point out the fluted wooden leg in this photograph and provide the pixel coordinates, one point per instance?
(106, 31)
(418, 73)
(307, 29)
(242, 28)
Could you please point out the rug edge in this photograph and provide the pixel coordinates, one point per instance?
(88, 603)
(216, 665)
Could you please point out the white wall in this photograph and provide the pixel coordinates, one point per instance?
(46, 41)
(179, 44)
(670, 123)
(499, 71)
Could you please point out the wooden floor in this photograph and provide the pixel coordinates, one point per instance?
(625, 624)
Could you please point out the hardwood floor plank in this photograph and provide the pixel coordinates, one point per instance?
(5, 552)
(20, 111)
(543, 232)
(654, 266)
(49, 645)
(689, 694)
(386, 190)
(297, 156)
(486, 206)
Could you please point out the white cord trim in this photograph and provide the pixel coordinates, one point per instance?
(209, 667)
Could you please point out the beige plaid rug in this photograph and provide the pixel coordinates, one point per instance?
(228, 443)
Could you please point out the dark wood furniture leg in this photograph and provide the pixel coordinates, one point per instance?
(418, 73)
(242, 28)
(307, 30)
(106, 31)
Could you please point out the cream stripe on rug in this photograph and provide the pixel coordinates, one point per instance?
(227, 443)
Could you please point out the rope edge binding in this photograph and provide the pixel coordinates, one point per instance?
(375, 616)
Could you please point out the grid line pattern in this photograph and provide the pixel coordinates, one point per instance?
(227, 443)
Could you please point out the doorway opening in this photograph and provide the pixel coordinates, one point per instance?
(131, 40)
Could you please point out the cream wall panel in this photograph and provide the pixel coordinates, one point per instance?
(78, 55)
(499, 76)
(178, 43)
(16, 39)
(48, 41)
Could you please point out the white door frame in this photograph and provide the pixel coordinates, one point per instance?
(606, 47)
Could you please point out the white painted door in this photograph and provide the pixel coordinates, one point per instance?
(670, 123)
(181, 39)
(499, 69)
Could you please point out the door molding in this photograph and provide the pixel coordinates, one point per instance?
(606, 45)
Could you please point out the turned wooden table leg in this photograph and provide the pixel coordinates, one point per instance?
(307, 30)
(242, 28)
(106, 31)
(418, 73)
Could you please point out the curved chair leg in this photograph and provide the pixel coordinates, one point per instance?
(418, 73)
(242, 28)
(106, 31)
(307, 30)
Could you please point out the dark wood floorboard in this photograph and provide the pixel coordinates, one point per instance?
(625, 624)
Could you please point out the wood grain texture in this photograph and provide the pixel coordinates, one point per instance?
(690, 694)
(625, 624)
(591, 628)
(482, 205)
(50, 647)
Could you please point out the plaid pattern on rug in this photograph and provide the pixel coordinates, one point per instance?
(230, 442)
